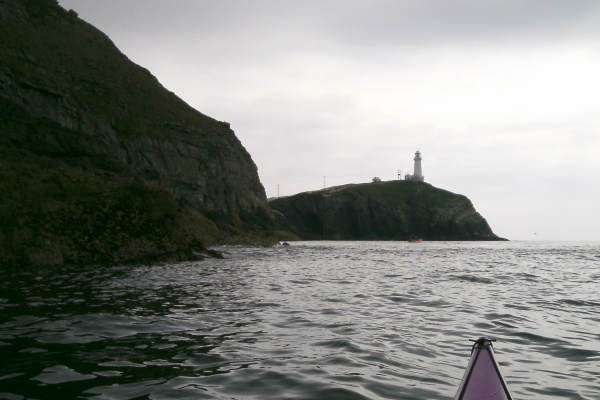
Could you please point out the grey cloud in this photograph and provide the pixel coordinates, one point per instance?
(463, 22)
(355, 22)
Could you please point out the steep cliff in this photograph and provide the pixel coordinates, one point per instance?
(99, 162)
(394, 210)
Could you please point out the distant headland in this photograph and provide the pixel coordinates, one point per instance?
(408, 209)
(393, 210)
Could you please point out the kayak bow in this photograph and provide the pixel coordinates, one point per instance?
(483, 379)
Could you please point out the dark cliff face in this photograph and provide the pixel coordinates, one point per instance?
(395, 210)
(86, 133)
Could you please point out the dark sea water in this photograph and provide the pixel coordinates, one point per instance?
(315, 320)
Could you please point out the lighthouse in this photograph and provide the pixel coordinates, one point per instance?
(418, 174)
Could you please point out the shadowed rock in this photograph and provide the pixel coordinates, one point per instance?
(99, 162)
(394, 210)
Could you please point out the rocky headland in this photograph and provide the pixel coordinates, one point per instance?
(99, 163)
(394, 210)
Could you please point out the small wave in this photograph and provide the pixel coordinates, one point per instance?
(472, 278)
(575, 354)
(484, 326)
(516, 306)
(532, 337)
(302, 281)
(61, 374)
(504, 320)
(343, 282)
(399, 299)
(334, 300)
(331, 311)
(265, 304)
(393, 276)
(556, 392)
(337, 393)
(580, 303)
(496, 316)
(122, 364)
(527, 277)
(338, 344)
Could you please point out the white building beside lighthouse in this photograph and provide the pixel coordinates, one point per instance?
(418, 174)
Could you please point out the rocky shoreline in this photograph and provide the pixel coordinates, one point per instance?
(394, 210)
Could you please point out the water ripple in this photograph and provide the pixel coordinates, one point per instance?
(319, 320)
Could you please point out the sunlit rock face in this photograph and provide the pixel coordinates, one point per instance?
(395, 210)
(99, 162)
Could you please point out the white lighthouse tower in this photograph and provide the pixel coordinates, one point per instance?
(418, 174)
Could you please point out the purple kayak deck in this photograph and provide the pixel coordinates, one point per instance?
(483, 379)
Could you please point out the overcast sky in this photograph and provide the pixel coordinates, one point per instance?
(502, 97)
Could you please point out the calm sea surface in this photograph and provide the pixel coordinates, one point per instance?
(315, 320)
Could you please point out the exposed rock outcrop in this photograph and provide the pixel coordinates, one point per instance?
(99, 162)
(394, 210)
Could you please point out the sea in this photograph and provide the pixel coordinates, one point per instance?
(312, 320)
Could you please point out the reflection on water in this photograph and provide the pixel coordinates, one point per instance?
(316, 320)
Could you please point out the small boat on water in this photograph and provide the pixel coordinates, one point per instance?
(482, 379)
